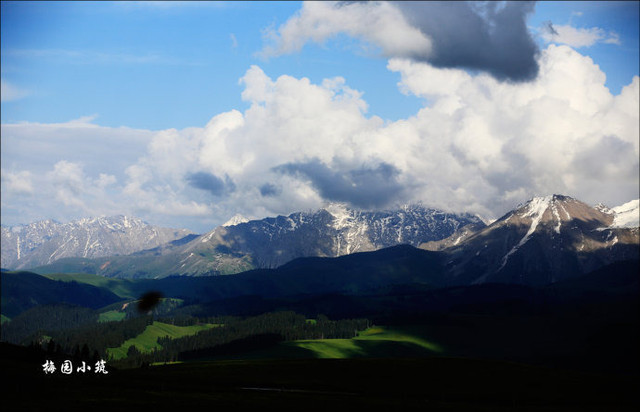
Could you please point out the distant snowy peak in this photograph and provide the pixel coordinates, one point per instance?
(235, 220)
(627, 215)
(46, 241)
(114, 223)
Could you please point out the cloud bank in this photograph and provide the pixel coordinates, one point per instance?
(479, 145)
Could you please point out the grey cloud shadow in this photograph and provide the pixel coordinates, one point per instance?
(490, 36)
(363, 187)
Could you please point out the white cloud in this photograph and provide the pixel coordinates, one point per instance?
(488, 36)
(17, 183)
(100, 149)
(578, 37)
(379, 23)
(479, 145)
(73, 168)
(105, 180)
(11, 92)
(563, 133)
(68, 181)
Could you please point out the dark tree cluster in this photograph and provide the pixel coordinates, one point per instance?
(100, 336)
(41, 320)
(84, 343)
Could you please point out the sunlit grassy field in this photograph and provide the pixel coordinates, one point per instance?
(111, 316)
(373, 342)
(148, 340)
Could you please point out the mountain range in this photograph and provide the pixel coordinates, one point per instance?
(46, 241)
(241, 245)
(542, 241)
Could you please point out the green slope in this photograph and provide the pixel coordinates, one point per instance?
(111, 316)
(148, 340)
(375, 342)
(121, 287)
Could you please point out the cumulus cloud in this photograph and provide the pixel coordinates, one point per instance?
(67, 185)
(536, 133)
(478, 145)
(379, 23)
(487, 36)
(577, 37)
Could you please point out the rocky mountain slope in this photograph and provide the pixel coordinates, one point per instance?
(542, 241)
(545, 240)
(241, 245)
(45, 242)
(335, 230)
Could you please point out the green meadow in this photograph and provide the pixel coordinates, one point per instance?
(148, 340)
(375, 342)
(111, 316)
(372, 343)
(120, 287)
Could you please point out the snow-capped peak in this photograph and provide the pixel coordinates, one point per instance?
(235, 220)
(536, 207)
(627, 215)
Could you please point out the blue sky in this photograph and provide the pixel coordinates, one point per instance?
(158, 66)
(133, 99)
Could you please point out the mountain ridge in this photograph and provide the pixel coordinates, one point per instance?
(548, 238)
(46, 241)
(332, 231)
(549, 235)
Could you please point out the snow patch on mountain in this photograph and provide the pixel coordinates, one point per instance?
(43, 242)
(235, 220)
(535, 210)
(627, 215)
